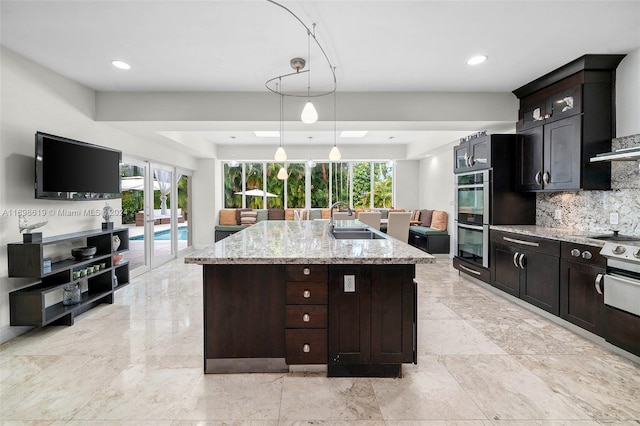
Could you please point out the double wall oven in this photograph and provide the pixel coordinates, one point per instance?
(485, 195)
(472, 215)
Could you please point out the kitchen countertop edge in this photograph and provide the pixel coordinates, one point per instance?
(569, 235)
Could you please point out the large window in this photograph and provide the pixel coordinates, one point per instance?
(382, 184)
(320, 185)
(361, 184)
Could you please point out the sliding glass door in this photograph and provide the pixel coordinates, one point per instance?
(156, 206)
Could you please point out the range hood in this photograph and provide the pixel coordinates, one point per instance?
(624, 154)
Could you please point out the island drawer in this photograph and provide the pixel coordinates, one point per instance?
(306, 346)
(307, 273)
(306, 316)
(306, 293)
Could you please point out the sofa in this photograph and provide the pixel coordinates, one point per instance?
(430, 236)
(158, 217)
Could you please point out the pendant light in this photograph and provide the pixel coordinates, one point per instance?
(334, 154)
(282, 173)
(309, 114)
(311, 164)
(281, 155)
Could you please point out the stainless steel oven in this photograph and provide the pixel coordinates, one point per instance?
(622, 292)
(472, 217)
(472, 197)
(473, 243)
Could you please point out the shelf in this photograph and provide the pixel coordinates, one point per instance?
(59, 310)
(58, 267)
(28, 304)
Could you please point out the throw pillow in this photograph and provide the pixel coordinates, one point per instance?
(439, 220)
(415, 215)
(248, 218)
(276, 214)
(228, 217)
(262, 214)
(425, 217)
(238, 212)
(289, 214)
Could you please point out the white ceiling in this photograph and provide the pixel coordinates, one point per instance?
(377, 46)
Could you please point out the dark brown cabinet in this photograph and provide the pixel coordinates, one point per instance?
(474, 154)
(40, 303)
(306, 314)
(581, 298)
(565, 118)
(528, 268)
(372, 319)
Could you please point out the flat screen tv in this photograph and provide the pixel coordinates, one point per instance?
(68, 169)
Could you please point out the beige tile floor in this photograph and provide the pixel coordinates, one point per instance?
(482, 360)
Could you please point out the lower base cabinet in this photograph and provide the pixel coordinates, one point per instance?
(359, 320)
(622, 329)
(528, 268)
(372, 320)
(581, 297)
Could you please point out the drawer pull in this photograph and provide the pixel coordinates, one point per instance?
(587, 255)
(524, 243)
(470, 270)
(306, 271)
(306, 318)
(306, 294)
(575, 252)
(306, 348)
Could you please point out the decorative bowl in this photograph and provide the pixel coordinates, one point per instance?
(81, 253)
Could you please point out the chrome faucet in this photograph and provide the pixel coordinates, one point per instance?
(334, 205)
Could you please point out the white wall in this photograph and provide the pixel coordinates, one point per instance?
(437, 185)
(406, 185)
(628, 95)
(37, 99)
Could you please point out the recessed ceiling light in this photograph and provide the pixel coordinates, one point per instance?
(353, 133)
(477, 60)
(267, 133)
(121, 64)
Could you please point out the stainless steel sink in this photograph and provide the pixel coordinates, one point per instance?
(356, 234)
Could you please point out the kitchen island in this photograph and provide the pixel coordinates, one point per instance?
(287, 293)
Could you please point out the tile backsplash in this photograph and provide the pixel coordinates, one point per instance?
(590, 210)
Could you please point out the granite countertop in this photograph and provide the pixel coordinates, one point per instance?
(561, 234)
(304, 242)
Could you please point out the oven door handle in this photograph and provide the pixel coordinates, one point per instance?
(474, 227)
(598, 282)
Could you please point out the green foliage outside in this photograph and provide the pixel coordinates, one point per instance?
(340, 176)
(133, 200)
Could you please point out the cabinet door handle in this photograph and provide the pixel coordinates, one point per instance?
(306, 294)
(306, 271)
(306, 318)
(515, 259)
(575, 252)
(472, 161)
(524, 243)
(597, 283)
(306, 348)
(546, 177)
(521, 261)
(538, 178)
(587, 255)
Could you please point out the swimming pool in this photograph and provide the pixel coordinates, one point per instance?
(183, 233)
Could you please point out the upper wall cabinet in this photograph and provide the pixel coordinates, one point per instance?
(472, 154)
(565, 118)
